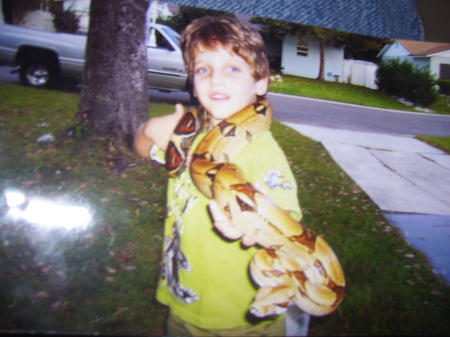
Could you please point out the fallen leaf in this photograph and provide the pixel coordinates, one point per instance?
(129, 268)
(61, 274)
(111, 270)
(59, 305)
(41, 295)
(118, 312)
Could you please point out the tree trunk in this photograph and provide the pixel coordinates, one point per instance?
(321, 75)
(114, 95)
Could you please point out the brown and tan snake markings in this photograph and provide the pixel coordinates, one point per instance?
(295, 264)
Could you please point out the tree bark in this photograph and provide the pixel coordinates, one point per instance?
(114, 95)
(321, 75)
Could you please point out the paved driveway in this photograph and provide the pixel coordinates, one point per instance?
(408, 180)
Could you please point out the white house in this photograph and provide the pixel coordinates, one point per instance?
(81, 8)
(432, 56)
(42, 18)
(301, 57)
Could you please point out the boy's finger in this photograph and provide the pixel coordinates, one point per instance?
(227, 230)
(179, 110)
(215, 211)
(221, 223)
(248, 241)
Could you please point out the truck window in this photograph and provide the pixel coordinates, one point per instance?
(157, 40)
(174, 36)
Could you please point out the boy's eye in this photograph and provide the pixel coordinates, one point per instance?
(202, 70)
(234, 69)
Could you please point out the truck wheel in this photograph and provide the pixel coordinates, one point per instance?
(39, 74)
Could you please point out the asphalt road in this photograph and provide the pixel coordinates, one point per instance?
(328, 114)
(337, 115)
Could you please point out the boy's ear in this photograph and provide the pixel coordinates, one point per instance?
(262, 86)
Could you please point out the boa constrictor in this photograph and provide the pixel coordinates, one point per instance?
(295, 265)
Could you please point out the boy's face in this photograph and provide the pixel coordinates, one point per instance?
(223, 82)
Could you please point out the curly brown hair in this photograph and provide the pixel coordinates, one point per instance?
(229, 33)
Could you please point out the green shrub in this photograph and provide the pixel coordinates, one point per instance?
(444, 88)
(403, 79)
(424, 89)
(66, 22)
(393, 77)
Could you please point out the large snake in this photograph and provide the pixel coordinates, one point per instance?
(296, 265)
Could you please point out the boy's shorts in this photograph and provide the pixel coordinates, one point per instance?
(178, 327)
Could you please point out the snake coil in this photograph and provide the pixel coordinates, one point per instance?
(295, 265)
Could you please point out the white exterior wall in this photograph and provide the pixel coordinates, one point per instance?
(438, 59)
(398, 51)
(38, 20)
(419, 61)
(308, 66)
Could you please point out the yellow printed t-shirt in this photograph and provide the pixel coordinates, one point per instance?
(205, 278)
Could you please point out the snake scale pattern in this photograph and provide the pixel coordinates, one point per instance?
(294, 265)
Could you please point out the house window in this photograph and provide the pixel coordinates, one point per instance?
(302, 48)
(444, 71)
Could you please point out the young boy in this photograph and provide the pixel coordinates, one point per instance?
(205, 278)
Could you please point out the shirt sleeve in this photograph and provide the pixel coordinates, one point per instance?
(157, 154)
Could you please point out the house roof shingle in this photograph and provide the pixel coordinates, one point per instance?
(397, 19)
(419, 48)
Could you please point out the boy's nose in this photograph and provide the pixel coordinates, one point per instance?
(216, 77)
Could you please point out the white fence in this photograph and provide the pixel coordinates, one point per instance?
(360, 73)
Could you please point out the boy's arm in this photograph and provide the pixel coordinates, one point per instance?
(156, 130)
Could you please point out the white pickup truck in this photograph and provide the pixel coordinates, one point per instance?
(45, 58)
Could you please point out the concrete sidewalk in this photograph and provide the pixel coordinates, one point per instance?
(408, 180)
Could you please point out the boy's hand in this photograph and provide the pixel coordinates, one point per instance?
(224, 226)
(157, 130)
(163, 127)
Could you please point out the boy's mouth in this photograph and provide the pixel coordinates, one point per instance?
(218, 97)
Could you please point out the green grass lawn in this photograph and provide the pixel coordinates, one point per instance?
(442, 143)
(347, 93)
(344, 92)
(103, 279)
(441, 106)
